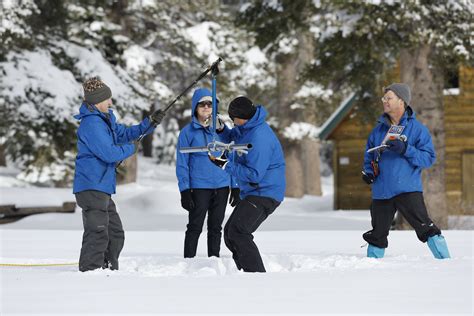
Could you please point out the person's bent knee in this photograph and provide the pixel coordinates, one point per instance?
(117, 230)
(232, 233)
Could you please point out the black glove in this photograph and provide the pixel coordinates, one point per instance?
(157, 116)
(219, 161)
(234, 197)
(397, 145)
(368, 178)
(187, 201)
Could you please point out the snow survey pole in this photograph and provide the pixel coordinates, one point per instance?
(216, 146)
(214, 73)
(201, 76)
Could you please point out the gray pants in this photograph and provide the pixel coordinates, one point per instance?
(103, 236)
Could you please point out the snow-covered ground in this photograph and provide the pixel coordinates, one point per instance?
(312, 253)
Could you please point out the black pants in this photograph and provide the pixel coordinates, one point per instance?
(245, 219)
(411, 206)
(213, 202)
(103, 236)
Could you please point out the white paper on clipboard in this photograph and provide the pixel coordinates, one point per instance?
(394, 132)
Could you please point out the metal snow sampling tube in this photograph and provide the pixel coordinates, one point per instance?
(218, 146)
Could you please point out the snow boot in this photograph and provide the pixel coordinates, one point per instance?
(375, 252)
(438, 247)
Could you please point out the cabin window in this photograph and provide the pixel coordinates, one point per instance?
(451, 81)
(343, 161)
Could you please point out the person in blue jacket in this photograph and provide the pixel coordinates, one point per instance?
(394, 171)
(204, 189)
(260, 175)
(101, 144)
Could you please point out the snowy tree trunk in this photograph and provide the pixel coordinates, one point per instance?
(286, 75)
(311, 167)
(128, 171)
(2, 156)
(147, 145)
(118, 14)
(418, 70)
(147, 142)
(295, 180)
(310, 147)
(302, 157)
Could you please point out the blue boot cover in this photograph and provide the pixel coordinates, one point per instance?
(375, 252)
(438, 247)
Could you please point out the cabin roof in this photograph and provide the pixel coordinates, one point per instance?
(337, 116)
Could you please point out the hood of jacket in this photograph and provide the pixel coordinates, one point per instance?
(198, 94)
(257, 119)
(87, 110)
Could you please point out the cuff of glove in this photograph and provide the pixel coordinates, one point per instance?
(150, 121)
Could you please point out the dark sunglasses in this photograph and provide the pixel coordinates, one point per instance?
(204, 104)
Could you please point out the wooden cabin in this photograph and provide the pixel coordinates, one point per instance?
(349, 136)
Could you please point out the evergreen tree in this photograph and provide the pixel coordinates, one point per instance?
(146, 51)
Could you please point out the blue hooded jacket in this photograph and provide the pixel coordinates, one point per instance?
(195, 170)
(101, 143)
(400, 173)
(261, 172)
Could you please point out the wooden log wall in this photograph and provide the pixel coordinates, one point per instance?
(459, 128)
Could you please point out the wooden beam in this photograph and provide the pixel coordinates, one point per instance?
(10, 213)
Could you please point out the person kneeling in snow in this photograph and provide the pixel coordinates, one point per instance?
(260, 175)
(101, 144)
(395, 174)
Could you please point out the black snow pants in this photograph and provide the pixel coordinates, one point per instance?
(245, 219)
(213, 202)
(103, 236)
(412, 206)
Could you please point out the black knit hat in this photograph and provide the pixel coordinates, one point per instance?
(96, 91)
(241, 107)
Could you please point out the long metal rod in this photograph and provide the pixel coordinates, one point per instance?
(214, 107)
(213, 67)
(217, 146)
(201, 76)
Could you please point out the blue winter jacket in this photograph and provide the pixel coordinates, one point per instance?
(400, 173)
(261, 172)
(195, 170)
(101, 143)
